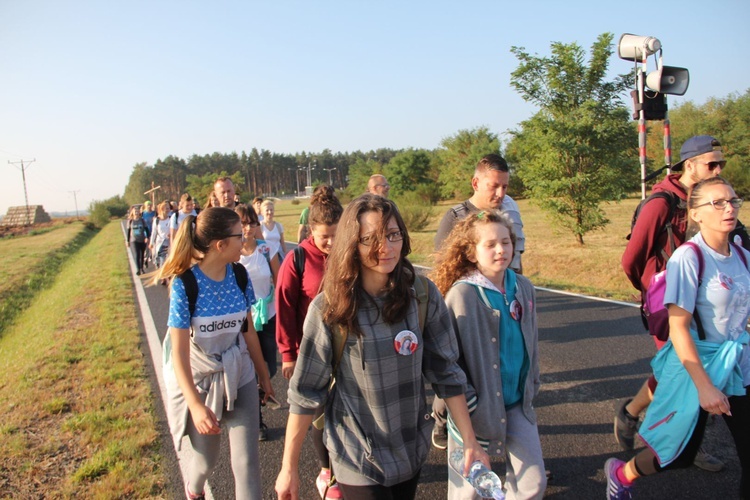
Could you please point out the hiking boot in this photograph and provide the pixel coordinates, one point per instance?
(706, 461)
(440, 437)
(615, 489)
(327, 486)
(194, 496)
(625, 427)
(263, 432)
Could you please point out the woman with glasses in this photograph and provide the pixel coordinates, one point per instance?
(704, 369)
(377, 420)
(263, 269)
(210, 363)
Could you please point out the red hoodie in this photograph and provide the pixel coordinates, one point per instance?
(643, 257)
(294, 297)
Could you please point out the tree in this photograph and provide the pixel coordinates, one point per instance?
(575, 151)
(727, 119)
(200, 187)
(458, 157)
(408, 171)
(359, 175)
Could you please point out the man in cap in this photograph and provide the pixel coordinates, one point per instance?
(378, 185)
(649, 249)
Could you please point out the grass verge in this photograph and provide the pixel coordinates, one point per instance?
(30, 264)
(76, 411)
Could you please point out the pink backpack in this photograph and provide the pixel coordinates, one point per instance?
(657, 315)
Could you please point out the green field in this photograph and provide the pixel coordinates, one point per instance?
(552, 259)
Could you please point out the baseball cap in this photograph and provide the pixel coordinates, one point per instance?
(696, 146)
(147, 202)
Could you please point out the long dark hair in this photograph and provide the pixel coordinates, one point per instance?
(342, 282)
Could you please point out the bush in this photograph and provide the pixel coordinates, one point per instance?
(101, 212)
(415, 210)
(295, 201)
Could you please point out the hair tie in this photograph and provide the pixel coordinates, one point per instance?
(480, 215)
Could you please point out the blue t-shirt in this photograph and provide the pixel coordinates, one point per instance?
(723, 298)
(220, 310)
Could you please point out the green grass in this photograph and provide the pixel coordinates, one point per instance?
(75, 403)
(552, 258)
(30, 264)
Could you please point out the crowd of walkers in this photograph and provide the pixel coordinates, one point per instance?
(360, 333)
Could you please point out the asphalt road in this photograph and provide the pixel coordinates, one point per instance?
(592, 354)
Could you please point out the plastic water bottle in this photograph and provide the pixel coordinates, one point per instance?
(485, 482)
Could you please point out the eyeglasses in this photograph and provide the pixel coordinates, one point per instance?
(722, 204)
(713, 165)
(383, 185)
(240, 235)
(392, 237)
(252, 224)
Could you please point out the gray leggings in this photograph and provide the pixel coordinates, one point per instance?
(242, 424)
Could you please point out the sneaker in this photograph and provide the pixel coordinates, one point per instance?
(263, 432)
(327, 486)
(706, 461)
(625, 427)
(440, 437)
(615, 489)
(193, 496)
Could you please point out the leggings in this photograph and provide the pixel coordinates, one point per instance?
(242, 423)
(401, 491)
(317, 439)
(138, 248)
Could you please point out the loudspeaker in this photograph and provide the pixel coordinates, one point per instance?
(669, 80)
(632, 47)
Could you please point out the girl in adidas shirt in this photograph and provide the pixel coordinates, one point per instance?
(210, 364)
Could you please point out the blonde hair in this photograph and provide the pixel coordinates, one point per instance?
(162, 211)
(454, 259)
(193, 240)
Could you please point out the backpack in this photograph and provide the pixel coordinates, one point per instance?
(656, 313)
(191, 287)
(339, 335)
(674, 202)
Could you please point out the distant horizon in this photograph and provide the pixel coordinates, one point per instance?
(93, 88)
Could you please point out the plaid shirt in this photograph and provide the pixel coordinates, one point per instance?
(378, 422)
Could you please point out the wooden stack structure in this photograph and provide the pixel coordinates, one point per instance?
(20, 216)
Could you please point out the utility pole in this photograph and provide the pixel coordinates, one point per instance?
(75, 200)
(25, 193)
(329, 170)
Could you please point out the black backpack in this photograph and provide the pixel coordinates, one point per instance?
(191, 286)
(674, 202)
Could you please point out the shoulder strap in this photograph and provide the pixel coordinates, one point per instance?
(736, 248)
(299, 261)
(421, 288)
(699, 254)
(240, 276)
(191, 289)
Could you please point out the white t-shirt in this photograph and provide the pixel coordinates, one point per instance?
(723, 298)
(273, 238)
(261, 277)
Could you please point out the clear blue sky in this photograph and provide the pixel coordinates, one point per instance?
(90, 88)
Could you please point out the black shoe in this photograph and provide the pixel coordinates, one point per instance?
(263, 432)
(625, 427)
(138, 272)
(440, 437)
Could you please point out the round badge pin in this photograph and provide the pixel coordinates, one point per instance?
(516, 311)
(406, 343)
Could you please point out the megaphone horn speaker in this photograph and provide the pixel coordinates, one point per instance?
(634, 47)
(669, 80)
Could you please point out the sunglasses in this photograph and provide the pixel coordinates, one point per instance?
(713, 165)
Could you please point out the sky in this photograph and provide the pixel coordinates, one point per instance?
(88, 89)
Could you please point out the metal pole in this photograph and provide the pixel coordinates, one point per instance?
(667, 139)
(642, 130)
(75, 200)
(25, 193)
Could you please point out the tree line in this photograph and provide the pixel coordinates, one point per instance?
(576, 152)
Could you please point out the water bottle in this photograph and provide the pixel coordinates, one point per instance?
(485, 482)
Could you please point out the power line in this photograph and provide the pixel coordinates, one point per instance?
(25, 193)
